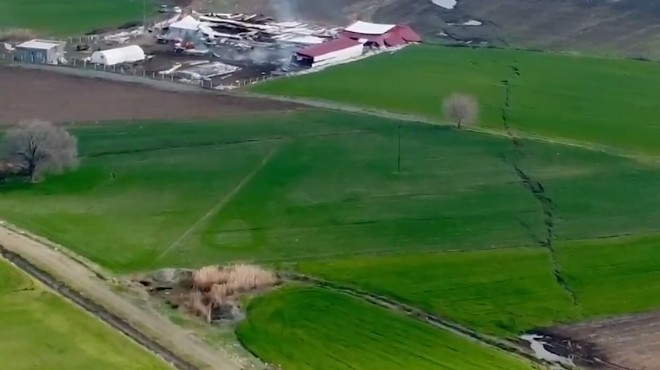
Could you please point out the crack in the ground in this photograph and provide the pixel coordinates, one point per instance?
(536, 189)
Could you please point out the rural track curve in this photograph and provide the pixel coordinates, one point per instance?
(87, 283)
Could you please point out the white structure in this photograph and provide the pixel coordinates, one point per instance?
(329, 52)
(367, 28)
(186, 27)
(111, 57)
(40, 51)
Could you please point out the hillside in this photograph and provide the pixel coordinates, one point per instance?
(624, 27)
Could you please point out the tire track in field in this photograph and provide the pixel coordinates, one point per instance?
(223, 143)
(537, 190)
(221, 204)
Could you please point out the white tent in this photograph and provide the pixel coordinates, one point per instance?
(111, 57)
(187, 26)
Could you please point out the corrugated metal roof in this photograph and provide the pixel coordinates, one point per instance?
(407, 33)
(40, 44)
(328, 47)
(369, 28)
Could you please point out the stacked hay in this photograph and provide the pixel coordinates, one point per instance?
(215, 287)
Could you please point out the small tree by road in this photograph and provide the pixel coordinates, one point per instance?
(461, 109)
(38, 147)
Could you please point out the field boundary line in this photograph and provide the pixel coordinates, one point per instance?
(97, 311)
(418, 314)
(221, 204)
(78, 278)
(330, 105)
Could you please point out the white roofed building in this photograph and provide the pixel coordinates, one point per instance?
(40, 51)
(111, 57)
(186, 27)
(367, 28)
(381, 35)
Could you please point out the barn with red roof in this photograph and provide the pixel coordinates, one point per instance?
(381, 35)
(352, 41)
(338, 49)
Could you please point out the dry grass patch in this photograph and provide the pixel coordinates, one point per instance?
(17, 34)
(213, 292)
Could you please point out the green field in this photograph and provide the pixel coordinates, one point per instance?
(323, 189)
(330, 187)
(42, 331)
(602, 101)
(310, 329)
(509, 291)
(65, 17)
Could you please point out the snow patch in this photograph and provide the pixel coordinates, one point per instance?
(447, 4)
(472, 22)
(543, 354)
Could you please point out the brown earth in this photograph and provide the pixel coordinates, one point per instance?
(28, 94)
(626, 342)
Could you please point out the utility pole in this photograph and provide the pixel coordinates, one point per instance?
(398, 168)
(144, 16)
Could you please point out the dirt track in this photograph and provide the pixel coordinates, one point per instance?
(81, 279)
(26, 94)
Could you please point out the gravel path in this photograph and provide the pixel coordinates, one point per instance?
(76, 276)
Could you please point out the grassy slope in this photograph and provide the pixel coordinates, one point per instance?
(614, 277)
(63, 17)
(322, 193)
(506, 292)
(42, 331)
(603, 101)
(310, 329)
(499, 292)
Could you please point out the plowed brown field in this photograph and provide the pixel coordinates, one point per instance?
(27, 94)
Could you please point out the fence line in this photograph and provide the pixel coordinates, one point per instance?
(139, 71)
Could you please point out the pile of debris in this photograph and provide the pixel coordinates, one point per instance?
(257, 28)
(212, 292)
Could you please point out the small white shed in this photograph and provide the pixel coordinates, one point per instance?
(186, 27)
(111, 57)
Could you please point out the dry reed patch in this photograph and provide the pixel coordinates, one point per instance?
(212, 292)
(16, 34)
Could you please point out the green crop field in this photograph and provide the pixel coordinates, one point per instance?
(318, 184)
(65, 17)
(329, 178)
(472, 288)
(509, 291)
(310, 329)
(602, 101)
(42, 331)
(324, 189)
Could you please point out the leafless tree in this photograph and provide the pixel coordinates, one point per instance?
(38, 147)
(461, 109)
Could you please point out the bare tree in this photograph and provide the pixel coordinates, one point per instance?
(39, 147)
(461, 109)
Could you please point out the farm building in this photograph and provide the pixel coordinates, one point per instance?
(335, 50)
(111, 57)
(381, 35)
(40, 51)
(185, 28)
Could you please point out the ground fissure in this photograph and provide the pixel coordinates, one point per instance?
(535, 187)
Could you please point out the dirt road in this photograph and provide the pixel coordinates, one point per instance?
(78, 277)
